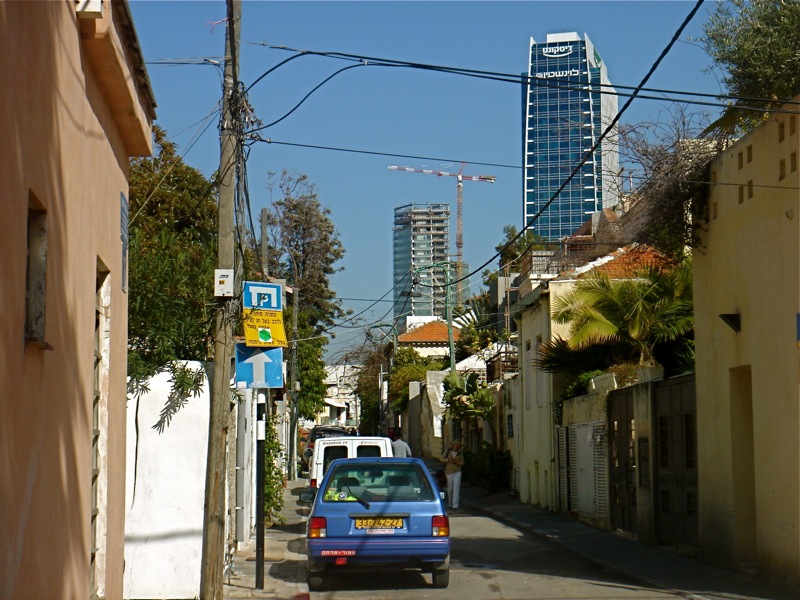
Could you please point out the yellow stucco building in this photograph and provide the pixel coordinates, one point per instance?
(747, 327)
(76, 105)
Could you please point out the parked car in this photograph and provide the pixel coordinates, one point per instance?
(377, 513)
(317, 432)
(326, 450)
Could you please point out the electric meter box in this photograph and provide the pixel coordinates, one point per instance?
(223, 283)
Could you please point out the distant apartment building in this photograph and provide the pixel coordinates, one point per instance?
(565, 115)
(421, 237)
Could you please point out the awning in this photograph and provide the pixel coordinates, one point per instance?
(335, 402)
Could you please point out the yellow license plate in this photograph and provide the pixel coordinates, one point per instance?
(379, 523)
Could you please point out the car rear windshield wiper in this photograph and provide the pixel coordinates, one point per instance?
(361, 501)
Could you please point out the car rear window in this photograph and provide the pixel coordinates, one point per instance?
(376, 483)
(368, 450)
(332, 453)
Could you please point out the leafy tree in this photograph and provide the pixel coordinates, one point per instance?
(172, 256)
(468, 399)
(303, 248)
(311, 370)
(408, 366)
(511, 251)
(672, 160)
(478, 328)
(755, 44)
(373, 362)
(640, 312)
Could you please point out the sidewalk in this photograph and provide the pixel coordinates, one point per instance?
(284, 553)
(658, 567)
(655, 566)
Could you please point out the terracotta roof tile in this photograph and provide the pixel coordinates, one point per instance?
(434, 332)
(624, 263)
(632, 260)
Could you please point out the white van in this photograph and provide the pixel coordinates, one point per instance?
(350, 446)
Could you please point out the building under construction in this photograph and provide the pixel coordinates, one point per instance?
(421, 237)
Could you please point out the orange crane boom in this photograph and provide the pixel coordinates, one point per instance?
(459, 210)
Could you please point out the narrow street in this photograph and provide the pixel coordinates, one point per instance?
(501, 549)
(492, 560)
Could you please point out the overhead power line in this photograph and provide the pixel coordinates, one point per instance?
(554, 82)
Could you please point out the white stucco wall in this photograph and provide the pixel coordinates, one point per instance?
(164, 495)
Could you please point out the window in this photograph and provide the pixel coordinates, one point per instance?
(750, 188)
(782, 169)
(99, 432)
(793, 162)
(750, 153)
(741, 194)
(792, 124)
(36, 275)
(781, 131)
(741, 160)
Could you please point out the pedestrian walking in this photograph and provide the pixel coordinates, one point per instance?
(399, 448)
(453, 460)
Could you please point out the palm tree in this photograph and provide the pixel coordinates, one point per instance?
(653, 308)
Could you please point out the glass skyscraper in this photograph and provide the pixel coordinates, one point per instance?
(565, 114)
(420, 238)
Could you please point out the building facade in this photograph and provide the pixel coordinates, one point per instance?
(80, 107)
(747, 336)
(565, 115)
(421, 237)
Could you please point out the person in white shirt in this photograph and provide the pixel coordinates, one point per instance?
(399, 447)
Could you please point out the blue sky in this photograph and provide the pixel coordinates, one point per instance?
(397, 110)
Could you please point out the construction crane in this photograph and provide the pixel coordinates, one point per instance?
(460, 178)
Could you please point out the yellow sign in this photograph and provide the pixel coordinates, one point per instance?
(264, 328)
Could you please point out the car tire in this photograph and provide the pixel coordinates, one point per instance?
(314, 576)
(315, 582)
(441, 578)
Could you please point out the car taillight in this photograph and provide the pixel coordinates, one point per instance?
(440, 526)
(313, 483)
(317, 527)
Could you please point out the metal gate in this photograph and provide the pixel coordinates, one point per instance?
(622, 459)
(676, 490)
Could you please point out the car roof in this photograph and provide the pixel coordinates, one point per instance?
(377, 460)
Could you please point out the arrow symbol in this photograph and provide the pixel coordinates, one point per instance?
(259, 362)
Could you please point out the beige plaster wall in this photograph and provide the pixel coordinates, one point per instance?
(748, 393)
(61, 144)
(535, 444)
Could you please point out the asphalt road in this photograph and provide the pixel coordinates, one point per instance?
(492, 560)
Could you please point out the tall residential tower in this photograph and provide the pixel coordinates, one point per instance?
(421, 238)
(565, 114)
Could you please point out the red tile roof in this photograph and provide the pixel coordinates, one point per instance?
(633, 260)
(624, 263)
(434, 332)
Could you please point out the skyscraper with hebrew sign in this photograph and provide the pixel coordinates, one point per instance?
(568, 104)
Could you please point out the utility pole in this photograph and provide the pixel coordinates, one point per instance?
(294, 391)
(214, 513)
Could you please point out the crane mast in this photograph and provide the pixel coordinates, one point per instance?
(460, 178)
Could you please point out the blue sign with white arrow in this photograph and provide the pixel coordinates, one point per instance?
(262, 296)
(258, 367)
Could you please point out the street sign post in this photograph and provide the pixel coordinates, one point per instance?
(264, 328)
(262, 296)
(258, 367)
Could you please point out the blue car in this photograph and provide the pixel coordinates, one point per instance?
(378, 512)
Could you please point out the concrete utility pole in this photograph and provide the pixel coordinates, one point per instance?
(214, 514)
